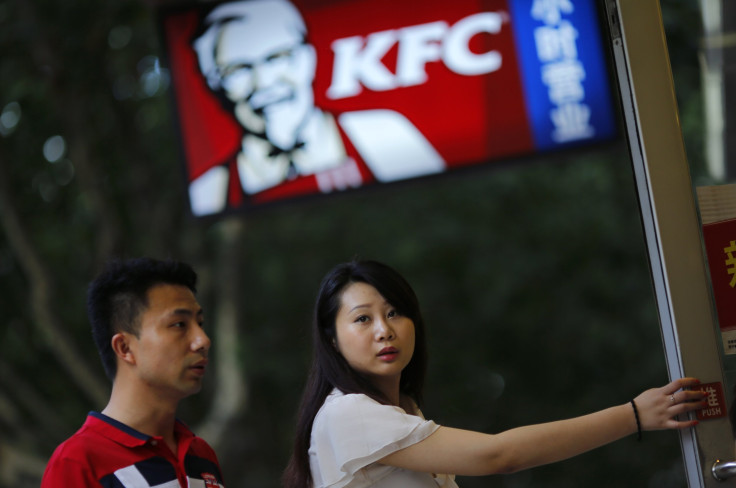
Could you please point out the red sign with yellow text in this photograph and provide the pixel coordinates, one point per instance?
(720, 247)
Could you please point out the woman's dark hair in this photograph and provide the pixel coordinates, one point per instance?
(330, 370)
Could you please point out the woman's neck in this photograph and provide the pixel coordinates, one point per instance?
(389, 387)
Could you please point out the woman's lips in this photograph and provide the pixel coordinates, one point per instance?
(388, 354)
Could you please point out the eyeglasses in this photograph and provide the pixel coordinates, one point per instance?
(238, 74)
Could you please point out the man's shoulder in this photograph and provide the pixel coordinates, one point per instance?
(87, 438)
(77, 459)
(98, 437)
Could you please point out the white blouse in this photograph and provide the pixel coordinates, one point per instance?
(352, 432)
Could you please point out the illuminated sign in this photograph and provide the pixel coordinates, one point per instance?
(279, 99)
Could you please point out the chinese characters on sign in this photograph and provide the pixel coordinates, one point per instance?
(562, 70)
(716, 402)
(730, 251)
(562, 59)
(276, 99)
(720, 247)
(717, 206)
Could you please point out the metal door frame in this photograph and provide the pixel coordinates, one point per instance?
(669, 216)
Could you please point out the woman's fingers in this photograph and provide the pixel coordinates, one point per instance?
(680, 424)
(685, 401)
(685, 407)
(687, 396)
(679, 384)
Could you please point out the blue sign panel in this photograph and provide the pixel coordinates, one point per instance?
(564, 75)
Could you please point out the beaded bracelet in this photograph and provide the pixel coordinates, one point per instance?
(638, 424)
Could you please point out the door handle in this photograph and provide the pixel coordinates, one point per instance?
(722, 470)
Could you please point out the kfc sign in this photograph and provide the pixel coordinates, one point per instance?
(358, 61)
(279, 99)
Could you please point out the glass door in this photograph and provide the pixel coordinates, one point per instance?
(672, 228)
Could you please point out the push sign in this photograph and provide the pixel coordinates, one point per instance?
(716, 402)
(280, 99)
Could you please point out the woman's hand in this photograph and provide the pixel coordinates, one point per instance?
(658, 407)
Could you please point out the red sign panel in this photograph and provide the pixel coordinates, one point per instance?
(720, 247)
(716, 407)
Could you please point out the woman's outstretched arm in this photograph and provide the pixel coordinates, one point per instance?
(470, 453)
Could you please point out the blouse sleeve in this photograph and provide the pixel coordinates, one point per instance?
(352, 431)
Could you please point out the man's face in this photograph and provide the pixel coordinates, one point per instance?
(267, 71)
(171, 349)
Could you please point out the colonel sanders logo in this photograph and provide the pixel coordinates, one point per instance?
(255, 53)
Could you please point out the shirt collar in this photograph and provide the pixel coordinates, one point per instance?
(128, 436)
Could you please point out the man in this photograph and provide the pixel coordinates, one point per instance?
(255, 54)
(147, 326)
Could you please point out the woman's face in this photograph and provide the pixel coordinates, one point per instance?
(373, 337)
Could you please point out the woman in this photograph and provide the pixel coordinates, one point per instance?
(359, 423)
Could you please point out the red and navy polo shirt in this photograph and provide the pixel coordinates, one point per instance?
(107, 453)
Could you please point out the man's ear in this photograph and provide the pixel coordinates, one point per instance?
(121, 347)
